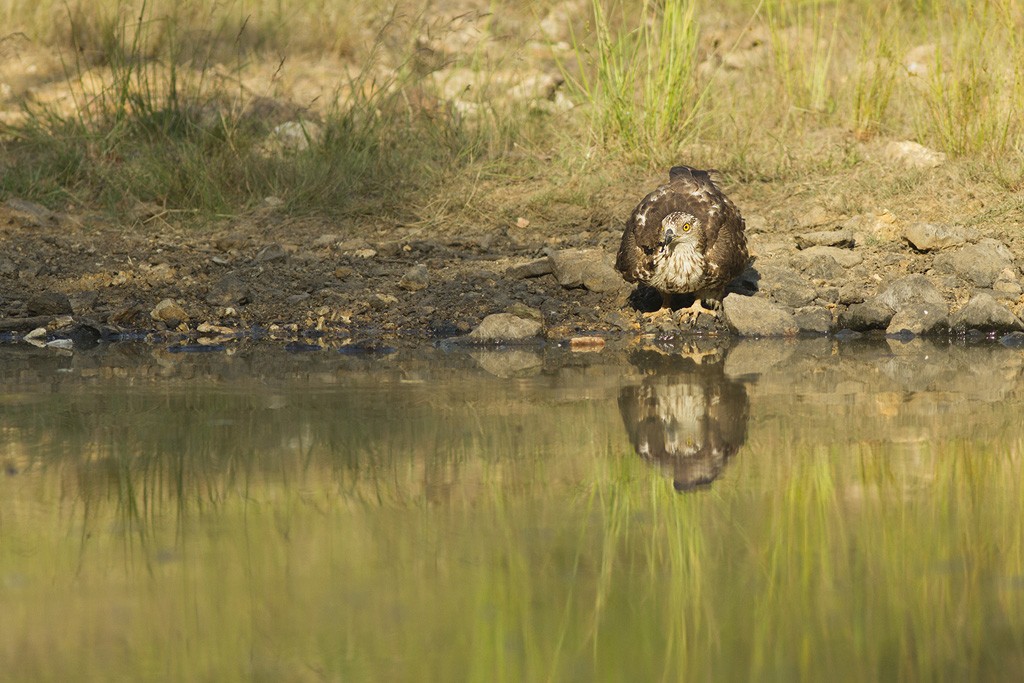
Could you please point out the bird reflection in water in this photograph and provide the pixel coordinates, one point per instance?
(686, 416)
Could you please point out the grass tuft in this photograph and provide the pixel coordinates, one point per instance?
(639, 80)
(189, 140)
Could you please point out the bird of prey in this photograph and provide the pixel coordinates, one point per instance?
(686, 237)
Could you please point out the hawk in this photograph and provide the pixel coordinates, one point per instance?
(686, 237)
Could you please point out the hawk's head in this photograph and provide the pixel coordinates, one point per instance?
(679, 227)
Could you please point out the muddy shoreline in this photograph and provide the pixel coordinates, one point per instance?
(266, 276)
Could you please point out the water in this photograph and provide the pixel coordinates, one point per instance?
(774, 511)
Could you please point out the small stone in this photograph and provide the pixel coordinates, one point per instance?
(881, 225)
(37, 333)
(814, 217)
(1008, 288)
(589, 268)
(532, 269)
(208, 328)
(326, 240)
(415, 279)
(231, 242)
(293, 136)
(785, 286)
(229, 290)
(616, 320)
(870, 315)
(919, 319)
(911, 290)
(981, 264)
(828, 294)
(83, 302)
(755, 224)
(984, 313)
(826, 238)
(144, 212)
(822, 267)
(505, 327)
(813, 319)
(379, 302)
(270, 253)
(752, 316)
(851, 293)
(48, 303)
(522, 222)
(170, 312)
(910, 154)
(932, 236)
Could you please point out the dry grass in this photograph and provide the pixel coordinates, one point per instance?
(164, 103)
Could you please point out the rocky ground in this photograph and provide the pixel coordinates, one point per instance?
(70, 279)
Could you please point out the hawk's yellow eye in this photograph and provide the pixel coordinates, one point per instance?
(686, 227)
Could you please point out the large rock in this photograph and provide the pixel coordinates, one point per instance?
(752, 316)
(981, 263)
(919, 319)
(984, 313)
(932, 236)
(813, 319)
(869, 315)
(911, 290)
(589, 268)
(505, 327)
(785, 286)
(48, 303)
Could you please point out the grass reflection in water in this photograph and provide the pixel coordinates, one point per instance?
(421, 519)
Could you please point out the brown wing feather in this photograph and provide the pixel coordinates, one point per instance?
(726, 252)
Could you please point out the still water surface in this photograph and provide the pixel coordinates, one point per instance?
(774, 511)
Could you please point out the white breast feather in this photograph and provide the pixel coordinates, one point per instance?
(681, 270)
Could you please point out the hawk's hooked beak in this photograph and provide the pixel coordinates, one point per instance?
(670, 235)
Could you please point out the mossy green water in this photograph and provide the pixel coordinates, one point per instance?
(314, 518)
